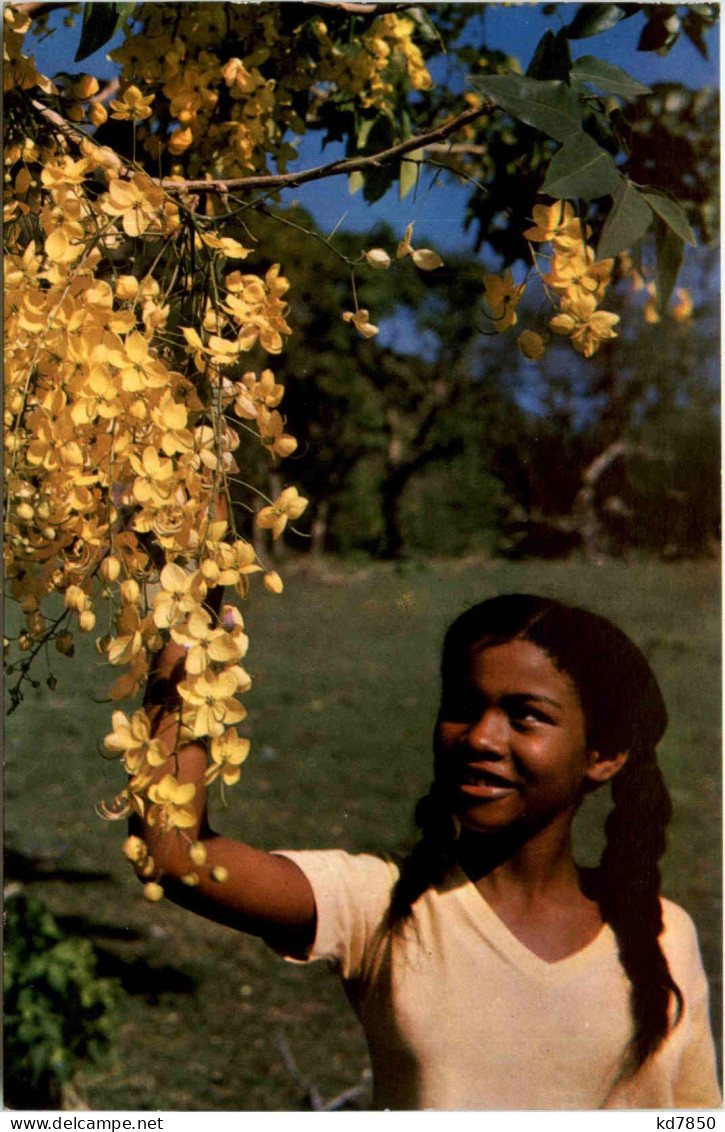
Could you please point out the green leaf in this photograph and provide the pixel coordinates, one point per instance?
(607, 77)
(99, 23)
(583, 169)
(552, 58)
(671, 212)
(629, 219)
(670, 250)
(355, 182)
(549, 106)
(363, 133)
(409, 172)
(593, 19)
(378, 181)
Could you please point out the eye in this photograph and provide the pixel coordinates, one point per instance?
(460, 709)
(527, 716)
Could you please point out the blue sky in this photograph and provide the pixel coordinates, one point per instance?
(515, 29)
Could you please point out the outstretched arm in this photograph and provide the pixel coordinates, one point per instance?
(263, 894)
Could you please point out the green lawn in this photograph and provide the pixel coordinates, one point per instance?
(341, 712)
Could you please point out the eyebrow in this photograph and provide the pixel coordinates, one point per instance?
(537, 696)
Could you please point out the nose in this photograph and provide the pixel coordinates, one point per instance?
(489, 733)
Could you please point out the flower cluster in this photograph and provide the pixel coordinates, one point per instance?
(228, 81)
(575, 283)
(126, 319)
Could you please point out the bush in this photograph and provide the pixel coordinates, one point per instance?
(58, 1012)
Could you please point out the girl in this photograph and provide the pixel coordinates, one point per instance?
(488, 970)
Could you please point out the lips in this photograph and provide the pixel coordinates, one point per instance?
(483, 783)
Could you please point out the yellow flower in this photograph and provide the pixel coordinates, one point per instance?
(502, 296)
(131, 739)
(288, 505)
(209, 705)
(578, 274)
(559, 224)
(361, 321)
(132, 106)
(154, 476)
(228, 751)
(205, 644)
(180, 593)
(586, 326)
(171, 803)
(139, 202)
(128, 644)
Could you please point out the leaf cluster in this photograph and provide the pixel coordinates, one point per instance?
(58, 1011)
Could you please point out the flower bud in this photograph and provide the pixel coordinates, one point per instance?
(97, 114)
(134, 849)
(378, 258)
(153, 891)
(74, 598)
(130, 591)
(110, 568)
(197, 853)
(86, 620)
(273, 582)
(64, 644)
(192, 879)
(219, 874)
(531, 345)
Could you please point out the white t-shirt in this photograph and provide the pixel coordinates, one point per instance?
(459, 1014)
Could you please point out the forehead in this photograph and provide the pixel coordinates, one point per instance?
(521, 668)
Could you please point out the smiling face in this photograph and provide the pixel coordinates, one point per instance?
(510, 742)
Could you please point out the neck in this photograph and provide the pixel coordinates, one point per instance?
(534, 863)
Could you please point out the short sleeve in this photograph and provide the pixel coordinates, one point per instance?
(352, 897)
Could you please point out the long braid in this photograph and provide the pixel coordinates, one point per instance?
(431, 856)
(629, 897)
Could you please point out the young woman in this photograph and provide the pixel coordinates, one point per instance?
(488, 970)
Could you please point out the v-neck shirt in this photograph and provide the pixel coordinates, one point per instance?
(459, 1014)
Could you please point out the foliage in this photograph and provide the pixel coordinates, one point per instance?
(144, 312)
(58, 1013)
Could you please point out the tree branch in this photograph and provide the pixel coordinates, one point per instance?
(334, 168)
(289, 180)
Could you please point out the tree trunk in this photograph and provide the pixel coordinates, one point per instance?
(391, 494)
(585, 511)
(318, 532)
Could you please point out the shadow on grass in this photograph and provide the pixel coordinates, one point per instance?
(26, 870)
(143, 979)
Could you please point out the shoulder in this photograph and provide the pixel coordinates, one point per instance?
(352, 894)
(362, 873)
(679, 941)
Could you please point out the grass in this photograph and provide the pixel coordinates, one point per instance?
(341, 712)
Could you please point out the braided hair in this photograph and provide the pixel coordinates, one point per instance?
(624, 711)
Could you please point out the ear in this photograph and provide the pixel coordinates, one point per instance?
(603, 767)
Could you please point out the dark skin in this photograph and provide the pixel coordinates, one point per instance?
(511, 747)
(515, 760)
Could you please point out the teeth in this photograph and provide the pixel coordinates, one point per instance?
(484, 778)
